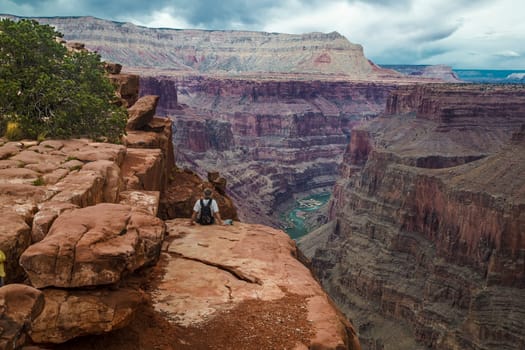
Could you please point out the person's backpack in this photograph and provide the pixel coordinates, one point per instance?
(206, 217)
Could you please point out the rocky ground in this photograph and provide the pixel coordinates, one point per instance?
(206, 294)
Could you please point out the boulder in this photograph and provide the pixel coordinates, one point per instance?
(144, 200)
(157, 134)
(46, 215)
(112, 68)
(18, 176)
(18, 204)
(10, 149)
(70, 314)
(127, 87)
(218, 182)
(15, 237)
(143, 169)
(82, 188)
(91, 246)
(19, 306)
(94, 151)
(142, 112)
(111, 173)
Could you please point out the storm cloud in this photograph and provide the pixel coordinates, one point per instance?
(460, 33)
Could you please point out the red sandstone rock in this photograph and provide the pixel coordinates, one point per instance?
(158, 135)
(70, 314)
(46, 215)
(9, 149)
(94, 151)
(82, 188)
(112, 68)
(127, 87)
(146, 200)
(18, 176)
(111, 173)
(143, 169)
(18, 204)
(92, 246)
(142, 112)
(461, 105)
(213, 269)
(19, 306)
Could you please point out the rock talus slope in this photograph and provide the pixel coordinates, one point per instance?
(426, 241)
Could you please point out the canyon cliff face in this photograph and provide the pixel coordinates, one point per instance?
(217, 51)
(428, 221)
(270, 139)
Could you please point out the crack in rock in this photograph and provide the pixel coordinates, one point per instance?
(229, 239)
(231, 270)
(230, 296)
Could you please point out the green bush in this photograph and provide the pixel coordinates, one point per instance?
(49, 91)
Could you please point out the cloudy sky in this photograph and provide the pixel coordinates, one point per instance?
(459, 33)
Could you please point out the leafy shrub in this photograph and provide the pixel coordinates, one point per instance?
(39, 181)
(50, 91)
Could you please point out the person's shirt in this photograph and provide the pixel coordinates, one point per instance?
(214, 207)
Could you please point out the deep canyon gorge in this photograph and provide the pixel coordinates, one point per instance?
(425, 242)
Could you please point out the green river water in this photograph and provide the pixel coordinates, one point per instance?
(295, 218)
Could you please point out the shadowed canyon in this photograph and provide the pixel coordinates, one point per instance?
(422, 245)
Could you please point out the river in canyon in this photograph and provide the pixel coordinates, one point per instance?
(305, 212)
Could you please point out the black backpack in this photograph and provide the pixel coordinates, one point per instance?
(206, 217)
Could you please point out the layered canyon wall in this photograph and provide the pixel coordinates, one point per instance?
(217, 51)
(426, 249)
(270, 139)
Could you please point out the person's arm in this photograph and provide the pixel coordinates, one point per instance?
(193, 218)
(216, 214)
(218, 219)
(196, 209)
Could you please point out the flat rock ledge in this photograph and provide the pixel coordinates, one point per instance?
(217, 273)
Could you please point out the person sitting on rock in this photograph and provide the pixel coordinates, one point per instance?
(206, 210)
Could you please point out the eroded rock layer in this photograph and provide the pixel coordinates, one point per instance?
(269, 138)
(217, 50)
(427, 238)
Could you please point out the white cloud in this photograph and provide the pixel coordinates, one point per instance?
(460, 33)
(164, 18)
(507, 53)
